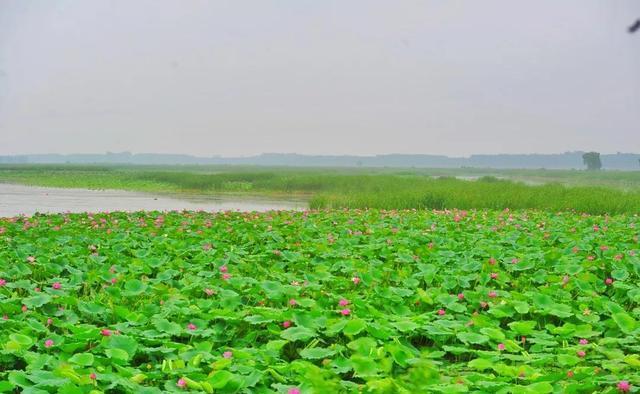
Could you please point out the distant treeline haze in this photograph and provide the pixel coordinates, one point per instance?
(569, 160)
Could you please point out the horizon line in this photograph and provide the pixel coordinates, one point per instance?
(106, 153)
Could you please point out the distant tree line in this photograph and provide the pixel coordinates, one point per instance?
(568, 160)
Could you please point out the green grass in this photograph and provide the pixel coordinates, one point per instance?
(484, 193)
(592, 192)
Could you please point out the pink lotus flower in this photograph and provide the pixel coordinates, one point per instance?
(5, 317)
(2, 282)
(49, 321)
(343, 302)
(581, 353)
(105, 332)
(501, 346)
(191, 326)
(494, 275)
(461, 296)
(37, 290)
(515, 261)
(345, 312)
(227, 354)
(24, 308)
(570, 374)
(583, 341)
(286, 324)
(608, 281)
(209, 292)
(492, 261)
(224, 268)
(114, 281)
(181, 383)
(93, 376)
(493, 294)
(355, 280)
(31, 259)
(292, 302)
(294, 390)
(441, 312)
(624, 386)
(48, 343)
(226, 276)
(56, 286)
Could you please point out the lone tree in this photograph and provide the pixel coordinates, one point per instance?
(592, 161)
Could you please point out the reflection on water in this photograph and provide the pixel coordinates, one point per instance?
(27, 200)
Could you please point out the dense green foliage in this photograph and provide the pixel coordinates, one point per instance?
(592, 161)
(324, 301)
(372, 188)
(484, 193)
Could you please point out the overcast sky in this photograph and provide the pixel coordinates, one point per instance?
(319, 77)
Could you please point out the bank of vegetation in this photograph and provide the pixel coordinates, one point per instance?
(592, 192)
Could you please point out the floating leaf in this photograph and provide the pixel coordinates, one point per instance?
(298, 334)
(257, 319)
(84, 359)
(37, 300)
(472, 337)
(134, 287)
(523, 327)
(626, 323)
(316, 353)
(354, 327)
(364, 366)
(165, 326)
(480, 364)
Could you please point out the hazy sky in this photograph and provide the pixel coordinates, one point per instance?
(319, 77)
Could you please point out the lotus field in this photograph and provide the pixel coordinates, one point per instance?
(320, 302)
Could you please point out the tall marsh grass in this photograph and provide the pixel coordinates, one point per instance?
(340, 188)
(453, 193)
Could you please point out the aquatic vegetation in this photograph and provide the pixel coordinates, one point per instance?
(605, 192)
(320, 301)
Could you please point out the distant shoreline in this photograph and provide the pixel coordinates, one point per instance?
(566, 161)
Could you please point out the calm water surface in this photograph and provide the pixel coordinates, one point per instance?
(20, 199)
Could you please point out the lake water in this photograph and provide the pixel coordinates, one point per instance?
(19, 199)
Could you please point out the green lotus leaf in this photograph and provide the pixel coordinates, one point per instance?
(316, 353)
